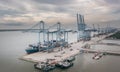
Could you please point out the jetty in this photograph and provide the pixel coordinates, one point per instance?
(63, 52)
(60, 55)
(106, 52)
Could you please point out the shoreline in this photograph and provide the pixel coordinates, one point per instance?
(76, 47)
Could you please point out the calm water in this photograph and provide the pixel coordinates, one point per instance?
(13, 44)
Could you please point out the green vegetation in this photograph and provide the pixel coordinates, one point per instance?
(115, 36)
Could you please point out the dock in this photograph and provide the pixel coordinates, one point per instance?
(60, 54)
(106, 52)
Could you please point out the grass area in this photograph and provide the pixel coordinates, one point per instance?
(115, 36)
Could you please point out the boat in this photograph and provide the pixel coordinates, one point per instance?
(97, 56)
(44, 66)
(64, 64)
(70, 59)
(39, 66)
(46, 46)
(32, 49)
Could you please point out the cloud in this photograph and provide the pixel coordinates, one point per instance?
(12, 24)
(54, 2)
(51, 11)
(4, 12)
(112, 1)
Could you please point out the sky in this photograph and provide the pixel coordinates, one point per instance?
(25, 13)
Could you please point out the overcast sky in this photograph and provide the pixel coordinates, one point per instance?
(24, 13)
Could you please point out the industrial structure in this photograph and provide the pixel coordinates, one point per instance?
(49, 38)
(83, 32)
(53, 47)
(57, 36)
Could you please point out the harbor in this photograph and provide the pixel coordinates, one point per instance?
(59, 35)
(83, 61)
(57, 55)
(56, 50)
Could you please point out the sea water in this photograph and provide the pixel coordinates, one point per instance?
(13, 45)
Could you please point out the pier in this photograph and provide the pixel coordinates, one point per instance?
(112, 44)
(63, 52)
(106, 52)
(60, 54)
